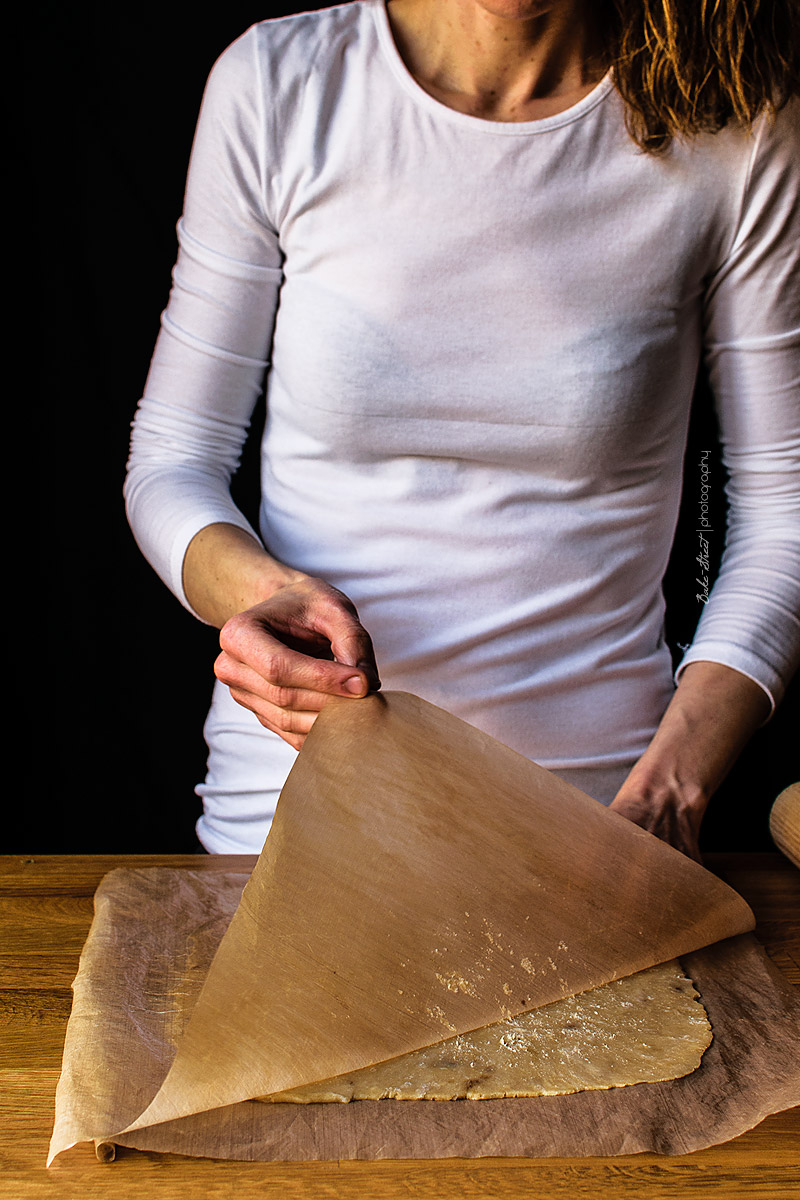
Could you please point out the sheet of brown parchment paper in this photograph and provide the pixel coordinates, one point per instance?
(408, 849)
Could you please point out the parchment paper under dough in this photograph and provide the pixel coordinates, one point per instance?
(646, 1028)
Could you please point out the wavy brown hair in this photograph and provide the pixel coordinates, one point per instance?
(692, 66)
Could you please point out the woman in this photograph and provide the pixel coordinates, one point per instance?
(481, 246)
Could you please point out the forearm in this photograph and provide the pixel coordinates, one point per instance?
(711, 717)
(226, 571)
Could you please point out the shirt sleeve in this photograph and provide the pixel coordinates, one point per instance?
(212, 351)
(751, 621)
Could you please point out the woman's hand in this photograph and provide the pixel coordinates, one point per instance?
(289, 641)
(710, 718)
(285, 657)
(667, 813)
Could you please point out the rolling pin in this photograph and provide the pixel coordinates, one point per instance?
(784, 822)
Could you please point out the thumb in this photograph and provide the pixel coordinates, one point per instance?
(351, 646)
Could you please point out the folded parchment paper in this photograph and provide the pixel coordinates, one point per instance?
(408, 845)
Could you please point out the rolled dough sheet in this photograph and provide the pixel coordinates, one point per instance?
(645, 1028)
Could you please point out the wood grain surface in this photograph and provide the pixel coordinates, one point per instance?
(784, 822)
(45, 912)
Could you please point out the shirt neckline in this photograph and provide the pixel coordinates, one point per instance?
(466, 120)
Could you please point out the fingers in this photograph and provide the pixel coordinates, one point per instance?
(288, 711)
(293, 725)
(673, 825)
(246, 679)
(350, 643)
(276, 657)
(251, 642)
(667, 821)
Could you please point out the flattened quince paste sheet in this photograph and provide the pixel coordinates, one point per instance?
(646, 1028)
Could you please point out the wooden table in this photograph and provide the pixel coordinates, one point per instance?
(45, 912)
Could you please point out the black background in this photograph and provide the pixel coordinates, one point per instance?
(116, 676)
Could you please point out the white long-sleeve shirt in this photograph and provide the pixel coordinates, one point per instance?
(482, 340)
